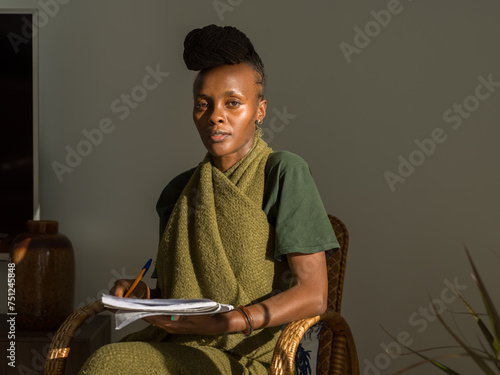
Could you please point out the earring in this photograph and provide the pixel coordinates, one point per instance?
(258, 129)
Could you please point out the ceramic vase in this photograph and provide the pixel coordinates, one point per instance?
(44, 276)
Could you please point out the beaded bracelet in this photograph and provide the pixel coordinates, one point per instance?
(249, 319)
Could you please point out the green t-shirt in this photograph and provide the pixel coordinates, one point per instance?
(291, 202)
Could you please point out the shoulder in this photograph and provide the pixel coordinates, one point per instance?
(295, 208)
(284, 160)
(179, 181)
(174, 188)
(288, 179)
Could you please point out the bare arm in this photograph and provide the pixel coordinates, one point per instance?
(306, 298)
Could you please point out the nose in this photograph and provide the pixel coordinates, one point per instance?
(217, 116)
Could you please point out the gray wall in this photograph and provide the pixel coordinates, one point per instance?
(358, 107)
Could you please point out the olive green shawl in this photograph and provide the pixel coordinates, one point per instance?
(218, 245)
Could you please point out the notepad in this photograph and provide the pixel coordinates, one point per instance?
(132, 309)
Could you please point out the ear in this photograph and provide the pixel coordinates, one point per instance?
(261, 109)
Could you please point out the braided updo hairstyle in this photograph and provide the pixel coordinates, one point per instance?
(214, 45)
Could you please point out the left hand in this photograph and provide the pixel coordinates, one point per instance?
(192, 324)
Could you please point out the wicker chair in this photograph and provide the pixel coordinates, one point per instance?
(337, 349)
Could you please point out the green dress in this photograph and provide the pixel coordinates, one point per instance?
(291, 205)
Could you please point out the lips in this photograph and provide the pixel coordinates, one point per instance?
(218, 136)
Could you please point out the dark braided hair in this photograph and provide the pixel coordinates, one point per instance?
(214, 45)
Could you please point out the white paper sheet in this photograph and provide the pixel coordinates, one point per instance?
(132, 309)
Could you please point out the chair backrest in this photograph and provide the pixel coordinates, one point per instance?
(337, 265)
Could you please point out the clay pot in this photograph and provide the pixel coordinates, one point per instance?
(44, 276)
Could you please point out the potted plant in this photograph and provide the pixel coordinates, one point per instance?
(487, 357)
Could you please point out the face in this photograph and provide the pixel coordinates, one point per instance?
(226, 107)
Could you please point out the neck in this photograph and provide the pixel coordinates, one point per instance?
(224, 163)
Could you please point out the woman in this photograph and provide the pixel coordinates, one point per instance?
(232, 229)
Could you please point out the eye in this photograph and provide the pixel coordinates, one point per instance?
(233, 103)
(201, 105)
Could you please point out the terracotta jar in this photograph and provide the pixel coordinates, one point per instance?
(44, 275)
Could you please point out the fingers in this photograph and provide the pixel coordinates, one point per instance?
(140, 291)
(122, 286)
(162, 321)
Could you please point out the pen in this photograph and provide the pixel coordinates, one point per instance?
(136, 281)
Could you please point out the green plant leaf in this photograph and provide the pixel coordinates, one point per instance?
(495, 360)
(478, 359)
(429, 360)
(484, 329)
(488, 303)
(426, 361)
(481, 356)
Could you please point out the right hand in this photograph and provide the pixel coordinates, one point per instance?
(122, 286)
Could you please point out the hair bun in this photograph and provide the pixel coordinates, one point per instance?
(216, 45)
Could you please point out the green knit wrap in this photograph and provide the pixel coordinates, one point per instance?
(218, 244)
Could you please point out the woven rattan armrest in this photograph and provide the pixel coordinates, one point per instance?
(339, 350)
(59, 348)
